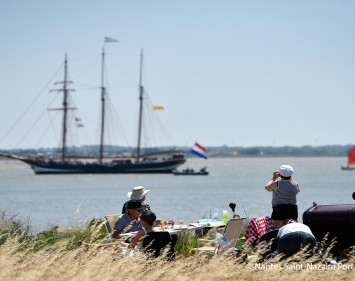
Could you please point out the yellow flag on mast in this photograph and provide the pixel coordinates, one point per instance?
(158, 108)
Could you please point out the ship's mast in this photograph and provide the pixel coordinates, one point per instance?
(141, 92)
(65, 107)
(103, 90)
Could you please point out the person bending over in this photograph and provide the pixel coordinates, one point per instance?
(293, 236)
(289, 239)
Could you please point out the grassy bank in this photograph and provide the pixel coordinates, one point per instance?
(56, 255)
(80, 264)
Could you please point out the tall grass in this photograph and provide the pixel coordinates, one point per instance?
(55, 238)
(55, 254)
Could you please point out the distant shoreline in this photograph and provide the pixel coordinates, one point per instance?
(213, 151)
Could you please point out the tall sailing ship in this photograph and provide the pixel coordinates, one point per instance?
(154, 162)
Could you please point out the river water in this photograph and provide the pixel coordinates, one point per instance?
(73, 200)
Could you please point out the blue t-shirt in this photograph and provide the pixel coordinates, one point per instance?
(125, 224)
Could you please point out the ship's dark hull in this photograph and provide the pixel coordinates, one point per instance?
(348, 167)
(167, 165)
(190, 174)
(96, 168)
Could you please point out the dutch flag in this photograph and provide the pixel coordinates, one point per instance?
(199, 150)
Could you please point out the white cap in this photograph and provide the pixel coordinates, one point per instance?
(286, 171)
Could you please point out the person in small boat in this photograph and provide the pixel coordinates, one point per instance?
(284, 192)
(139, 194)
(129, 221)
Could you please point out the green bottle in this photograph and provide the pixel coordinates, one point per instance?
(225, 216)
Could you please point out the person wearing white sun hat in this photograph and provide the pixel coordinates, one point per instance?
(138, 193)
(284, 192)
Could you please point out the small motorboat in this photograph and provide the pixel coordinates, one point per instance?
(191, 172)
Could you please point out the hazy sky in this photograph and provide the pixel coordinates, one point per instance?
(239, 73)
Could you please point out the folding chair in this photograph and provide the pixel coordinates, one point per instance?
(110, 223)
(231, 232)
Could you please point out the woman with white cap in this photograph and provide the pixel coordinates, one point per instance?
(284, 191)
(138, 193)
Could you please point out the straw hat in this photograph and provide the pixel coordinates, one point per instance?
(137, 193)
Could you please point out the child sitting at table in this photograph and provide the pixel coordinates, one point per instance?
(153, 241)
(147, 219)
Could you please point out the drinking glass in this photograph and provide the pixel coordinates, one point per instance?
(170, 224)
(215, 215)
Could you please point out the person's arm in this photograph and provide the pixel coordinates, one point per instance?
(136, 239)
(118, 227)
(272, 184)
(115, 234)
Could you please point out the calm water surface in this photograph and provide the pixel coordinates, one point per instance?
(72, 200)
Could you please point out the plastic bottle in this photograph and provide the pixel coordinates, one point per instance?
(225, 216)
(223, 242)
(215, 215)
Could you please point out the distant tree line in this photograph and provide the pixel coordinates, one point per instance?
(265, 151)
(213, 151)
